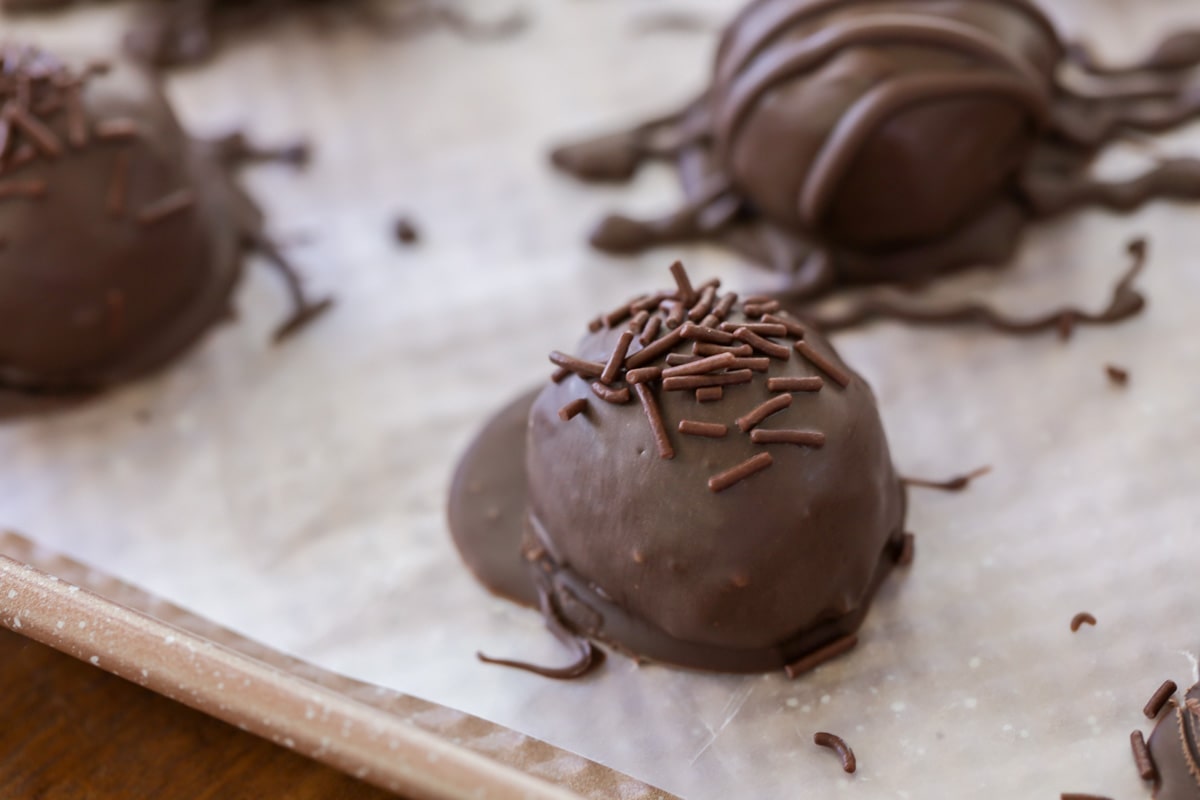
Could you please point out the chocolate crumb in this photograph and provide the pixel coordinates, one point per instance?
(1081, 619)
(1117, 376)
(839, 746)
(404, 231)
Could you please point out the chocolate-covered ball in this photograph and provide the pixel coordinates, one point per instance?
(706, 484)
(121, 237)
(848, 141)
(825, 112)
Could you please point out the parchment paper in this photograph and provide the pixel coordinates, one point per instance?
(296, 493)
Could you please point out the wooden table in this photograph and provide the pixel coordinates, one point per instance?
(69, 730)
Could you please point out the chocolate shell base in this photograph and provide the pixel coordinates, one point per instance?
(1175, 749)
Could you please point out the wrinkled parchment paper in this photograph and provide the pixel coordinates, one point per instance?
(296, 493)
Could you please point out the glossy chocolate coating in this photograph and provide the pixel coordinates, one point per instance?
(651, 554)
(130, 248)
(792, 95)
(1175, 749)
(749, 568)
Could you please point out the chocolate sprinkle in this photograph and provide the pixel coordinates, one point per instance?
(119, 128)
(759, 309)
(610, 395)
(711, 430)
(762, 364)
(1080, 619)
(734, 475)
(764, 410)
(1078, 796)
(677, 359)
(651, 330)
(707, 349)
(793, 326)
(839, 746)
(1141, 756)
(701, 366)
(644, 374)
(1117, 376)
(655, 417)
(812, 384)
(697, 381)
(761, 328)
(586, 369)
(572, 409)
(698, 333)
(818, 657)
(687, 294)
(798, 437)
(762, 345)
(835, 373)
(653, 351)
(709, 394)
(617, 359)
(1159, 699)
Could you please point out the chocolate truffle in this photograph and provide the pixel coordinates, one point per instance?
(706, 484)
(121, 237)
(850, 141)
(1174, 748)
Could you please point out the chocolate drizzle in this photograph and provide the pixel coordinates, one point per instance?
(864, 165)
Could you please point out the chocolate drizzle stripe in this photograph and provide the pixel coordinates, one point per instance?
(797, 437)
(794, 327)
(707, 349)
(586, 369)
(1141, 757)
(735, 475)
(880, 103)
(166, 207)
(710, 430)
(702, 366)
(687, 293)
(762, 345)
(118, 182)
(699, 333)
(761, 364)
(1159, 699)
(610, 395)
(617, 359)
(806, 384)
(835, 373)
(573, 409)
(644, 374)
(761, 328)
(839, 746)
(764, 410)
(709, 394)
(41, 136)
(697, 381)
(650, 332)
(653, 351)
(654, 416)
(818, 657)
(1081, 619)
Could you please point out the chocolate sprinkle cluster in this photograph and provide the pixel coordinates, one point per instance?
(36, 90)
(724, 354)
